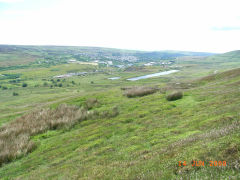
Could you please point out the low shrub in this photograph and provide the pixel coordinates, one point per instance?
(15, 94)
(90, 103)
(126, 88)
(174, 96)
(139, 91)
(110, 113)
(24, 85)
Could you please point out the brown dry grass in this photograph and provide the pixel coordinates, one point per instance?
(90, 103)
(174, 96)
(15, 136)
(139, 91)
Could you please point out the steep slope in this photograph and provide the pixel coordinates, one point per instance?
(147, 139)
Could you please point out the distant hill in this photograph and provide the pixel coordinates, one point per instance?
(232, 55)
(169, 54)
(11, 55)
(227, 60)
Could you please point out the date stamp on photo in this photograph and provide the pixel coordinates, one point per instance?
(203, 163)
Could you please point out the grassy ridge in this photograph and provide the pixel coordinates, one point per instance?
(147, 139)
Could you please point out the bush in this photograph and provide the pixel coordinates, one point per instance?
(110, 113)
(15, 94)
(90, 103)
(24, 85)
(174, 96)
(126, 88)
(139, 91)
(45, 84)
(4, 87)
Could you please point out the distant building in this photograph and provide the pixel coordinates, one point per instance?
(110, 63)
(149, 64)
(120, 66)
(71, 74)
(72, 61)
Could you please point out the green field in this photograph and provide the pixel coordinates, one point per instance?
(146, 138)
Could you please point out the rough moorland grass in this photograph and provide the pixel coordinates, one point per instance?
(139, 91)
(223, 75)
(15, 136)
(174, 96)
(90, 103)
(130, 146)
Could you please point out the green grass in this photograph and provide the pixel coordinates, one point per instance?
(141, 142)
(149, 136)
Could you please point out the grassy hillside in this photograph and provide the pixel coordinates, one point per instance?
(147, 139)
(229, 59)
(88, 126)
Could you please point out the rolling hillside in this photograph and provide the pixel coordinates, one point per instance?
(93, 123)
(229, 59)
(146, 139)
(16, 55)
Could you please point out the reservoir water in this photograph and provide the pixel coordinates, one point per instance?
(153, 75)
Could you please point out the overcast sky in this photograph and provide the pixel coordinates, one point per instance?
(194, 25)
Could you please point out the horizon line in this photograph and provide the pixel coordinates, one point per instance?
(112, 48)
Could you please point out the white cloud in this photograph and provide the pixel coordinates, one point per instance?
(134, 24)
